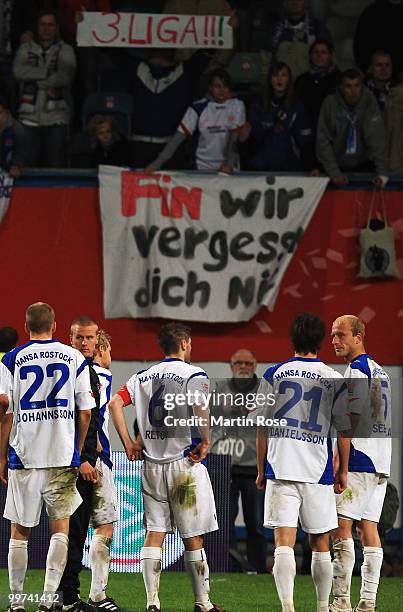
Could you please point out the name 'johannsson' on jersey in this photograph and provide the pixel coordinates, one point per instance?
(46, 382)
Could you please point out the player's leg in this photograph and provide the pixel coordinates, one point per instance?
(17, 563)
(99, 555)
(343, 564)
(151, 567)
(158, 522)
(367, 530)
(318, 516)
(281, 510)
(197, 567)
(351, 506)
(321, 569)
(23, 509)
(284, 568)
(252, 506)
(56, 559)
(64, 500)
(192, 504)
(104, 514)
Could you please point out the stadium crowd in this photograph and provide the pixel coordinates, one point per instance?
(67, 106)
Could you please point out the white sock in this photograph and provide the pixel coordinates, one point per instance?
(322, 576)
(370, 573)
(284, 571)
(151, 561)
(343, 564)
(17, 566)
(55, 561)
(198, 570)
(99, 561)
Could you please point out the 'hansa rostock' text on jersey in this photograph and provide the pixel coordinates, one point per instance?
(47, 382)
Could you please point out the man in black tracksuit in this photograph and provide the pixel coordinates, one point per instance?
(83, 336)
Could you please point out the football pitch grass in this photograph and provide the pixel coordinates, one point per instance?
(234, 592)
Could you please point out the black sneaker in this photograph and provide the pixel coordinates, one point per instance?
(216, 608)
(79, 606)
(153, 609)
(108, 604)
(19, 609)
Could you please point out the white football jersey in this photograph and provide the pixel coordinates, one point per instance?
(105, 391)
(214, 122)
(370, 398)
(154, 393)
(312, 398)
(48, 382)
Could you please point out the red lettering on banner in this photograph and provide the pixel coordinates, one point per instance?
(191, 198)
(174, 34)
(112, 25)
(137, 41)
(190, 28)
(135, 186)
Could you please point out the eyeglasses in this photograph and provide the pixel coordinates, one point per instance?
(247, 363)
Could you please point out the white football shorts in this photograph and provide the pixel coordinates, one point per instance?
(28, 489)
(178, 494)
(363, 498)
(104, 502)
(313, 504)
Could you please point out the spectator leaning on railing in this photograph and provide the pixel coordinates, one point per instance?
(44, 69)
(351, 134)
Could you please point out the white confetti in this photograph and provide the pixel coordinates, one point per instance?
(304, 268)
(263, 327)
(326, 298)
(334, 256)
(349, 233)
(292, 290)
(314, 252)
(319, 263)
(360, 287)
(367, 314)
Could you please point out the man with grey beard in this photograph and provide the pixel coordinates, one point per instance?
(240, 442)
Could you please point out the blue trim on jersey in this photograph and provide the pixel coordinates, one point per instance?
(360, 462)
(82, 367)
(9, 358)
(171, 359)
(75, 460)
(269, 472)
(327, 477)
(105, 454)
(361, 363)
(14, 462)
(198, 374)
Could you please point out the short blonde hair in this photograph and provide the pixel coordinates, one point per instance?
(103, 340)
(357, 325)
(95, 123)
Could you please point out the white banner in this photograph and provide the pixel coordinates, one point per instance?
(199, 247)
(6, 187)
(146, 30)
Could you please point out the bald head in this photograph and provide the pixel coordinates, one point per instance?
(356, 324)
(348, 333)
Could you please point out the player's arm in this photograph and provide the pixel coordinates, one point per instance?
(5, 429)
(83, 422)
(343, 454)
(261, 452)
(4, 403)
(203, 421)
(117, 403)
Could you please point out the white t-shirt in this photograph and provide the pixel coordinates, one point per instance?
(214, 121)
(47, 382)
(312, 397)
(105, 392)
(148, 390)
(370, 398)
